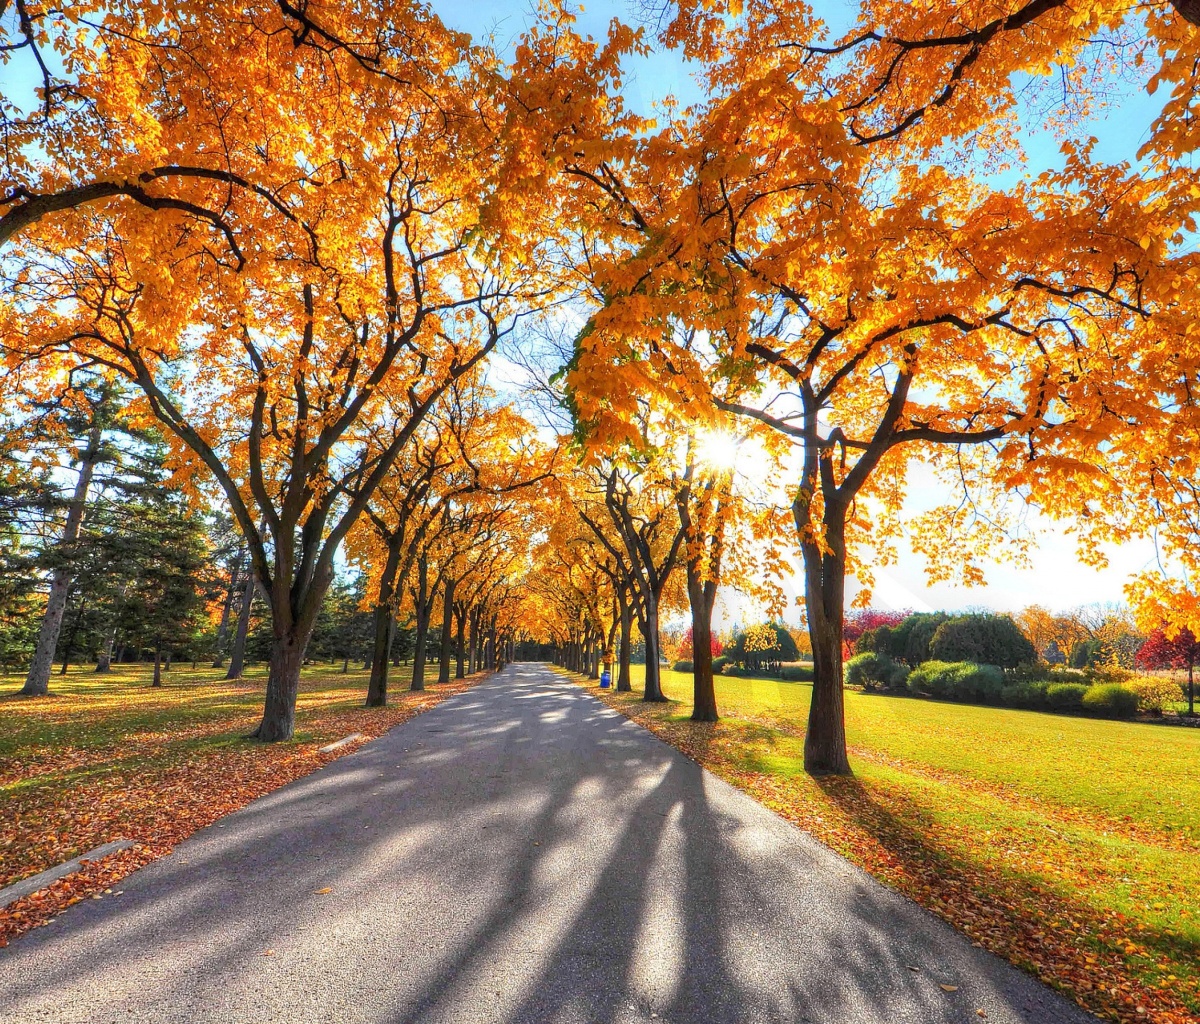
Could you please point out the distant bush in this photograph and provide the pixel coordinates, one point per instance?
(763, 647)
(875, 671)
(983, 639)
(1039, 672)
(796, 673)
(908, 641)
(1027, 694)
(1066, 696)
(683, 666)
(1111, 700)
(719, 662)
(1108, 674)
(1154, 693)
(959, 680)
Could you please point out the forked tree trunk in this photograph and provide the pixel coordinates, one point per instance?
(283, 684)
(37, 682)
(825, 585)
(384, 623)
(447, 631)
(384, 629)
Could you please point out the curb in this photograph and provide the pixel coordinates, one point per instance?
(35, 883)
(344, 741)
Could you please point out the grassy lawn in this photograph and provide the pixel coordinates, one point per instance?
(108, 757)
(1071, 846)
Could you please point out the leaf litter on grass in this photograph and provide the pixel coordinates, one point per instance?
(154, 785)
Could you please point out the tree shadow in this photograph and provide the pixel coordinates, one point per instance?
(519, 853)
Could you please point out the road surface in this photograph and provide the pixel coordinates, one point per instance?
(519, 853)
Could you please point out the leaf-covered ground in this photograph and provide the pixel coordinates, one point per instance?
(109, 757)
(1069, 846)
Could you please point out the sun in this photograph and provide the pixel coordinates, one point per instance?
(718, 449)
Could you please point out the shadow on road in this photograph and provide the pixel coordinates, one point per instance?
(519, 853)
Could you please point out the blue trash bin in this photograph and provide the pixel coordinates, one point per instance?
(605, 679)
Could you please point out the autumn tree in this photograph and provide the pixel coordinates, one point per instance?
(279, 280)
(1179, 651)
(868, 306)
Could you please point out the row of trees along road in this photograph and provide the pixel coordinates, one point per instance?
(293, 287)
(114, 562)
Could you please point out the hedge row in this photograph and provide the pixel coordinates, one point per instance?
(970, 683)
(723, 666)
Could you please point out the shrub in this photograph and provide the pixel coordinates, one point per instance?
(1026, 694)
(870, 670)
(1065, 696)
(763, 647)
(1111, 700)
(959, 680)
(983, 639)
(719, 662)
(1154, 693)
(908, 641)
(682, 666)
(796, 673)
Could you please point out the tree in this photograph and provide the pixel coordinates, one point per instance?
(1179, 651)
(868, 306)
(908, 641)
(985, 639)
(316, 300)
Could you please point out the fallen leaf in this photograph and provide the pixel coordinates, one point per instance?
(322, 892)
(948, 988)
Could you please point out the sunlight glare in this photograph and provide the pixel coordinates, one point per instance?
(719, 450)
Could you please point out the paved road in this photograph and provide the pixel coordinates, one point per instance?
(519, 853)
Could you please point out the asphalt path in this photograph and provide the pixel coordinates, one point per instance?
(518, 853)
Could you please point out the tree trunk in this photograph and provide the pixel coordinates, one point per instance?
(472, 629)
(104, 660)
(824, 584)
(492, 645)
(157, 681)
(704, 691)
(346, 665)
(283, 684)
(447, 631)
(385, 626)
(384, 633)
(237, 656)
(422, 608)
(230, 591)
(653, 692)
(460, 642)
(624, 680)
(37, 682)
(1191, 692)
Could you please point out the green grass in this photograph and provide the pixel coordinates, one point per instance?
(1089, 829)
